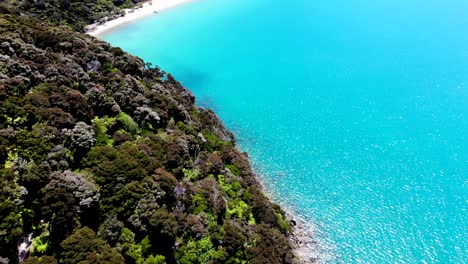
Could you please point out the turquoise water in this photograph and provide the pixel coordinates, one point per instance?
(353, 112)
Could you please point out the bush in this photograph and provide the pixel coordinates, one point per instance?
(41, 244)
(158, 259)
(127, 123)
(191, 175)
(101, 126)
(83, 246)
(236, 208)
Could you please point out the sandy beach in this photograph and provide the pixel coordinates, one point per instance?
(149, 8)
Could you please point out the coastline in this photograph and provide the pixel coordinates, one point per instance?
(304, 240)
(304, 237)
(306, 246)
(148, 8)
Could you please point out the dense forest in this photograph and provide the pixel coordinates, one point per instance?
(75, 14)
(106, 159)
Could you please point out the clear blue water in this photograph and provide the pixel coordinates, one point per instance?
(353, 112)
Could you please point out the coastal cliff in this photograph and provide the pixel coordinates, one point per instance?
(106, 159)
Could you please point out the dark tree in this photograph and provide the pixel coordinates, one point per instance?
(84, 246)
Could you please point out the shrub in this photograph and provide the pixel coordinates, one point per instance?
(127, 123)
(83, 246)
(233, 168)
(200, 204)
(101, 126)
(41, 244)
(236, 208)
(191, 175)
(158, 259)
(199, 251)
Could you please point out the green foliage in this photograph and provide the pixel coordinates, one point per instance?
(131, 249)
(101, 125)
(230, 189)
(127, 123)
(127, 236)
(213, 142)
(200, 204)
(83, 246)
(40, 260)
(31, 144)
(187, 254)
(206, 251)
(164, 223)
(123, 202)
(283, 224)
(74, 14)
(191, 175)
(180, 125)
(251, 219)
(185, 128)
(11, 157)
(41, 244)
(127, 165)
(134, 252)
(246, 195)
(146, 246)
(233, 168)
(158, 259)
(215, 229)
(199, 251)
(236, 208)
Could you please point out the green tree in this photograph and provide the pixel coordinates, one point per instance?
(84, 246)
(158, 259)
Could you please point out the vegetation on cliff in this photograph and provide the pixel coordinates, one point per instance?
(105, 159)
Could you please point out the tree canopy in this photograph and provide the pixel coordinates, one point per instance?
(106, 160)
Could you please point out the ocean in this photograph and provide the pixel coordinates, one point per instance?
(354, 113)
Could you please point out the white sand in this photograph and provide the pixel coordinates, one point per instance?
(148, 8)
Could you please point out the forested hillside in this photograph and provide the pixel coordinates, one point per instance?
(105, 159)
(75, 14)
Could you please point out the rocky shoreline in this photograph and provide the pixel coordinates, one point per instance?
(307, 247)
(304, 238)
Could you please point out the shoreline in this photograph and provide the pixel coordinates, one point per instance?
(148, 8)
(306, 246)
(304, 240)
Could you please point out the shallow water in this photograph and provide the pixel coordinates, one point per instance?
(353, 112)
